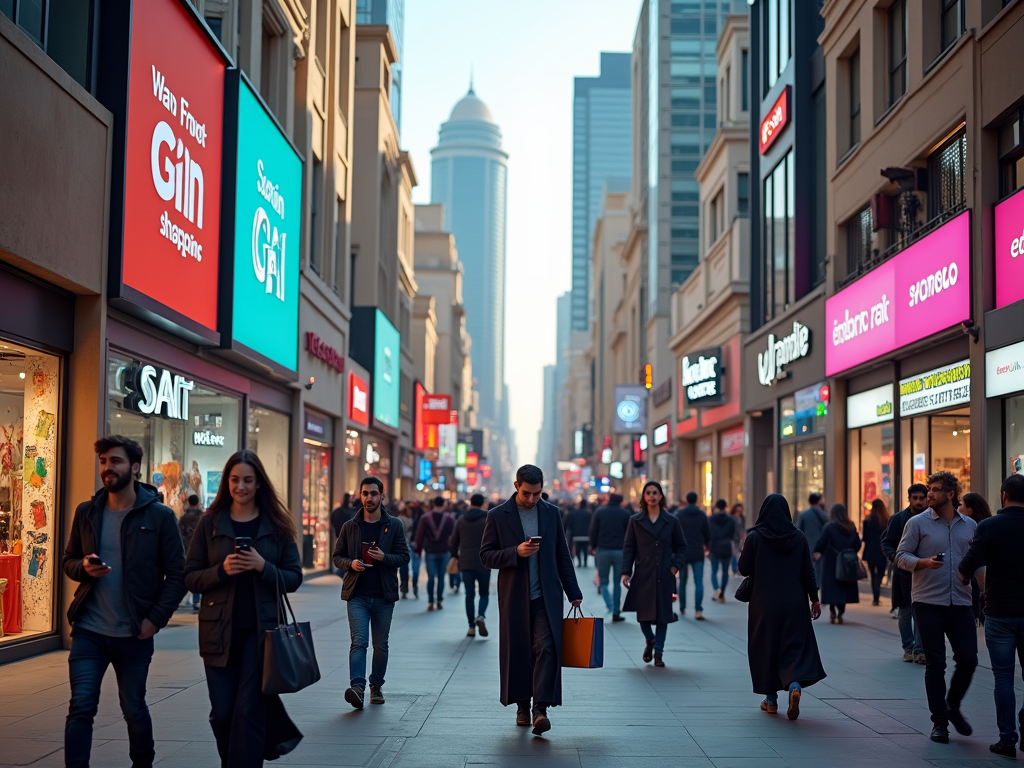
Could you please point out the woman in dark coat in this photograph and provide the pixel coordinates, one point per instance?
(239, 589)
(653, 553)
(781, 648)
(838, 534)
(874, 557)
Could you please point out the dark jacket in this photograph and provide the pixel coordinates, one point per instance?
(873, 553)
(696, 530)
(723, 533)
(832, 541)
(152, 557)
(341, 515)
(392, 543)
(465, 539)
(213, 541)
(577, 523)
(901, 580)
(608, 527)
(810, 523)
(503, 532)
(441, 522)
(187, 525)
(649, 553)
(996, 547)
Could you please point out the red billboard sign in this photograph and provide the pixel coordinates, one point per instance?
(437, 409)
(173, 150)
(775, 121)
(358, 400)
(472, 460)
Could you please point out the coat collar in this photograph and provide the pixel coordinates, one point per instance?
(512, 510)
(645, 522)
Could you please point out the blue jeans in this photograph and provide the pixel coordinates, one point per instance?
(368, 616)
(910, 636)
(472, 579)
(1005, 639)
(610, 559)
(437, 562)
(238, 708)
(90, 655)
(698, 585)
(414, 573)
(719, 563)
(657, 635)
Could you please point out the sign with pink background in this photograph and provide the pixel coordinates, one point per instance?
(1010, 250)
(924, 289)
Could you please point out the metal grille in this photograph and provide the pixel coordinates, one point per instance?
(858, 242)
(947, 167)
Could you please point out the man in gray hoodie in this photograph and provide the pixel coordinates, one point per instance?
(465, 547)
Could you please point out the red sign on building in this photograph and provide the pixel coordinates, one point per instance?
(776, 119)
(437, 409)
(323, 351)
(358, 400)
(472, 460)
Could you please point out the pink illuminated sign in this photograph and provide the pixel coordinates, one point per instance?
(923, 290)
(1010, 250)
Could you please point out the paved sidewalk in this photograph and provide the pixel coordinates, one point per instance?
(442, 707)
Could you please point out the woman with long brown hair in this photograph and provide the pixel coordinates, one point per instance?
(839, 534)
(242, 554)
(655, 547)
(874, 557)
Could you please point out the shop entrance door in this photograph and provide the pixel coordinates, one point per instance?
(937, 443)
(316, 507)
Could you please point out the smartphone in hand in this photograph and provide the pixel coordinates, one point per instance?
(243, 543)
(96, 561)
(535, 539)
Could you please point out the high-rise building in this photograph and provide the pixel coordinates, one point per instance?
(601, 149)
(469, 177)
(392, 13)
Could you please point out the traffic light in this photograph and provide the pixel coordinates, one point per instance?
(648, 376)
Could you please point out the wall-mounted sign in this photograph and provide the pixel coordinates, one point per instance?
(661, 434)
(386, 394)
(924, 289)
(1009, 246)
(437, 409)
(322, 351)
(320, 428)
(662, 393)
(1004, 370)
(872, 407)
(472, 460)
(772, 363)
(460, 454)
(606, 455)
(615, 470)
(172, 174)
(156, 391)
(358, 400)
(937, 389)
(701, 374)
(775, 121)
(461, 474)
(447, 444)
(731, 442)
(630, 409)
(206, 437)
(703, 448)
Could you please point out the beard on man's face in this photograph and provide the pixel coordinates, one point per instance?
(115, 482)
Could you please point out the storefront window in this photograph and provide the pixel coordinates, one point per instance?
(269, 438)
(705, 484)
(802, 471)
(871, 468)
(29, 541)
(940, 443)
(187, 430)
(731, 481)
(316, 506)
(1015, 434)
(803, 413)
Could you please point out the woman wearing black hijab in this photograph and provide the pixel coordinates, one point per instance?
(781, 648)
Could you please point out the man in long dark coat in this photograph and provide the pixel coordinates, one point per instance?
(531, 580)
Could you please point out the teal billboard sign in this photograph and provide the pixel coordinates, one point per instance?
(268, 218)
(386, 362)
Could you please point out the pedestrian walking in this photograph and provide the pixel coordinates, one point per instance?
(370, 549)
(653, 554)
(781, 648)
(607, 534)
(577, 531)
(932, 547)
(432, 534)
(524, 540)
(974, 506)
(243, 554)
(995, 549)
(738, 539)
(125, 553)
(340, 515)
(722, 527)
(838, 535)
(698, 538)
(874, 557)
(810, 523)
(465, 549)
(414, 556)
(900, 584)
(186, 527)
(405, 517)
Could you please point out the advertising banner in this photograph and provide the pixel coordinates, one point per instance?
(385, 371)
(871, 407)
(437, 409)
(1004, 370)
(701, 374)
(924, 289)
(630, 409)
(1009, 244)
(937, 389)
(173, 154)
(447, 444)
(358, 400)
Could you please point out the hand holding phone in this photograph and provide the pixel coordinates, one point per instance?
(535, 540)
(941, 557)
(243, 543)
(94, 566)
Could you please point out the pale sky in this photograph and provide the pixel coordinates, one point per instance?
(524, 56)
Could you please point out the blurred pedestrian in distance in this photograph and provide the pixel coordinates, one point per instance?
(698, 538)
(414, 556)
(653, 554)
(465, 548)
(781, 648)
(722, 527)
(577, 531)
(607, 534)
(741, 535)
(900, 585)
(187, 527)
(874, 557)
(242, 554)
(432, 534)
(404, 514)
(810, 523)
(839, 534)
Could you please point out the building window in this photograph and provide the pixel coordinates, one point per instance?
(779, 267)
(743, 194)
(316, 255)
(897, 51)
(854, 76)
(717, 216)
(216, 25)
(858, 242)
(1011, 156)
(65, 30)
(340, 249)
(947, 167)
(778, 46)
(952, 22)
(744, 96)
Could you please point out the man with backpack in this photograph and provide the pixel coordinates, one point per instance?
(810, 523)
(465, 548)
(432, 534)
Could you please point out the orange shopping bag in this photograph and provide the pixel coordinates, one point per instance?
(582, 641)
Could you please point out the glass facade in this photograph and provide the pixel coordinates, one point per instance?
(872, 464)
(801, 453)
(938, 443)
(392, 13)
(270, 438)
(778, 48)
(778, 266)
(316, 506)
(1015, 434)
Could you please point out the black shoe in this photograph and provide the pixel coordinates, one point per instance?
(354, 696)
(648, 651)
(541, 724)
(481, 626)
(940, 734)
(959, 722)
(657, 659)
(523, 715)
(440, 605)
(617, 617)
(1006, 750)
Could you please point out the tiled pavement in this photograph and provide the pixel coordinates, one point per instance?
(442, 709)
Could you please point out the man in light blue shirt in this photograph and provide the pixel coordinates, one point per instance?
(933, 544)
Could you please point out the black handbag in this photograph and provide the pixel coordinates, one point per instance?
(745, 590)
(289, 663)
(849, 567)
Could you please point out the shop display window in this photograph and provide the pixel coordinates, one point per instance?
(801, 471)
(731, 481)
(29, 439)
(872, 457)
(270, 437)
(938, 443)
(803, 413)
(316, 506)
(184, 449)
(1015, 435)
(705, 484)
